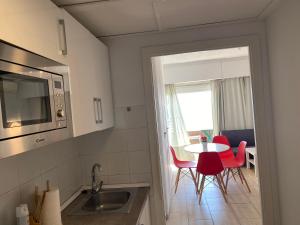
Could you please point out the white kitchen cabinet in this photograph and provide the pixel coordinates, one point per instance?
(145, 218)
(90, 85)
(34, 26)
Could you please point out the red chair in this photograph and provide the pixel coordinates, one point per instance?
(224, 140)
(210, 165)
(183, 165)
(234, 164)
(228, 154)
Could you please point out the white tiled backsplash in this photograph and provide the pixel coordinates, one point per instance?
(20, 174)
(122, 151)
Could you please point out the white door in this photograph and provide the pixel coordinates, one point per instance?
(162, 130)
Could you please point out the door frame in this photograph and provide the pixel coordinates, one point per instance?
(263, 119)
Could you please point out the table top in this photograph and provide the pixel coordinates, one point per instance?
(206, 147)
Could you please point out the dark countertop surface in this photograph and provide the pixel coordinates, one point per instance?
(110, 218)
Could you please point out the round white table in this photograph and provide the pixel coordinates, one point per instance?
(206, 147)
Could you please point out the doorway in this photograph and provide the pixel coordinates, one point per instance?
(262, 110)
(201, 96)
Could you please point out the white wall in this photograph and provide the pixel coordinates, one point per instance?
(127, 71)
(283, 28)
(207, 70)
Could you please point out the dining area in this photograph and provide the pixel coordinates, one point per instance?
(215, 188)
(216, 164)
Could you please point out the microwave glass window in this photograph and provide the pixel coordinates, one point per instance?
(24, 100)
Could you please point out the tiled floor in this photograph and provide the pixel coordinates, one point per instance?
(243, 208)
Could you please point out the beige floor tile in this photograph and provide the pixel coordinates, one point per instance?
(216, 204)
(245, 211)
(238, 198)
(178, 219)
(251, 222)
(201, 222)
(225, 218)
(243, 208)
(196, 212)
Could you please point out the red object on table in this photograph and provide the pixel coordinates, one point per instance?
(203, 139)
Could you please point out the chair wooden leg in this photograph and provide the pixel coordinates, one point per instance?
(177, 179)
(232, 172)
(201, 188)
(239, 172)
(227, 179)
(224, 173)
(221, 188)
(222, 182)
(193, 177)
(197, 181)
(242, 175)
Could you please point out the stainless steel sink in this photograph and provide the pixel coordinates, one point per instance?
(106, 201)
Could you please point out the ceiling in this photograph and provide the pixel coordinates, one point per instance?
(206, 55)
(117, 17)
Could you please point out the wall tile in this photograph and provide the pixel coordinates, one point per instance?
(139, 162)
(136, 117)
(52, 177)
(141, 178)
(137, 139)
(29, 165)
(69, 178)
(119, 179)
(8, 174)
(49, 158)
(133, 118)
(120, 117)
(8, 203)
(116, 141)
(118, 163)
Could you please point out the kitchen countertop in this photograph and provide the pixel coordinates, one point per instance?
(110, 218)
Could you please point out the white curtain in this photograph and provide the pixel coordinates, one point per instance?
(232, 104)
(178, 135)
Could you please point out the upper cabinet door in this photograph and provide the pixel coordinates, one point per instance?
(33, 25)
(83, 86)
(104, 90)
(89, 79)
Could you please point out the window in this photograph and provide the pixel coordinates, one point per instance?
(196, 106)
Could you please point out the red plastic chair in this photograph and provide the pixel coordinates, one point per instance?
(228, 154)
(180, 164)
(234, 165)
(210, 165)
(224, 140)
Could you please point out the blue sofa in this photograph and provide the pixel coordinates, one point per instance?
(236, 136)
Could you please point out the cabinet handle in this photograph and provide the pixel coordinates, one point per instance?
(96, 111)
(100, 112)
(63, 37)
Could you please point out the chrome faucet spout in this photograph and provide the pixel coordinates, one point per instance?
(95, 186)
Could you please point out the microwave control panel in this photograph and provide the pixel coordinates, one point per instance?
(59, 100)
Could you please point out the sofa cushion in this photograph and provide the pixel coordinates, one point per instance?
(236, 136)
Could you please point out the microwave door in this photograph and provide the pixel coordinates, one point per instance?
(26, 103)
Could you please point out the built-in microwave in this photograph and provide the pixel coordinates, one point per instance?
(31, 101)
(34, 101)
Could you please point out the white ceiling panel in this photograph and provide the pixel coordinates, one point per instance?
(179, 13)
(115, 17)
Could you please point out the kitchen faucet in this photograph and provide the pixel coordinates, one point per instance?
(95, 186)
